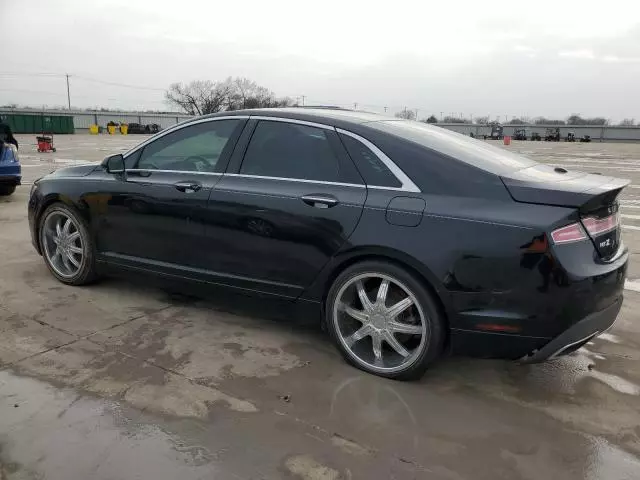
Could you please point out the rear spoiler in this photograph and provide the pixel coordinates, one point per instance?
(604, 195)
(545, 185)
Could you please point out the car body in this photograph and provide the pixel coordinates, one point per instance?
(497, 255)
(10, 169)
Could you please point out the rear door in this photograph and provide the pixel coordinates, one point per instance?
(153, 218)
(289, 201)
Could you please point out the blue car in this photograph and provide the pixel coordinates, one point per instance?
(10, 171)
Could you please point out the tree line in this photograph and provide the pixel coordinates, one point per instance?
(571, 120)
(201, 97)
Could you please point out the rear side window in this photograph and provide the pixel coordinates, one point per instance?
(372, 169)
(468, 150)
(290, 150)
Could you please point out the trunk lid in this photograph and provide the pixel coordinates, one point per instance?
(593, 195)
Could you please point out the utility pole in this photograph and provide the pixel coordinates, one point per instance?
(385, 109)
(416, 114)
(441, 115)
(303, 97)
(68, 94)
(355, 105)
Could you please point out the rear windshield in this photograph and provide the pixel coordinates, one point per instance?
(469, 150)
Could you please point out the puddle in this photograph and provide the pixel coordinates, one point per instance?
(585, 358)
(57, 434)
(610, 338)
(609, 462)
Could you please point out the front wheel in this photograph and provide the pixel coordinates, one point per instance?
(384, 321)
(67, 247)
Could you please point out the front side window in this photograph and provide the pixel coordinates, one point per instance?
(290, 150)
(195, 148)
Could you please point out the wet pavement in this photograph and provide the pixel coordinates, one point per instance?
(121, 380)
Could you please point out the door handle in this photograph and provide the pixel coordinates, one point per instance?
(320, 201)
(187, 187)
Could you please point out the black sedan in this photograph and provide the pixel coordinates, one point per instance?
(407, 239)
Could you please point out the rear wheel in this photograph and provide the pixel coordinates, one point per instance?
(384, 321)
(67, 247)
(7, 189)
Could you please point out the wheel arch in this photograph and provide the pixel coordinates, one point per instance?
(51, 199)
(322, 285)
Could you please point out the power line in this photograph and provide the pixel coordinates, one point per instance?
(117, 84)
(30, 74)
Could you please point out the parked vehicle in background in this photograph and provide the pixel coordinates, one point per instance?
(520, 134)
(552, 135)
(571, 137)
(10, 170)
(535, 136)
(497, 132)
(585, 138)
(144, 129)
(368, 222)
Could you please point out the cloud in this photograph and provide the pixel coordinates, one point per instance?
(584, 53)
(421, 55)
(616, 59)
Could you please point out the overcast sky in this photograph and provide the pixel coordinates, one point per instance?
(471, 57)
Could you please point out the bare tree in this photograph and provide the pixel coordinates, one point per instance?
(482, 120)
(515, 121)
(430, 119)
(575, 119)
(204, 96)
(628, 122)
(199, 97)
(547, 121)
(452, 119)
(406, 114)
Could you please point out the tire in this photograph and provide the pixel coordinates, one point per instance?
(7, 189)
(417, 350)
(85, 272)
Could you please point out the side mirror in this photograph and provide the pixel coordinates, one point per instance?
(115, 163)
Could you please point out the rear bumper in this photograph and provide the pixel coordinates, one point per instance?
(10, 179)
(577, 335)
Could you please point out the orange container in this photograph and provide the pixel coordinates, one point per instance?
(507, 140)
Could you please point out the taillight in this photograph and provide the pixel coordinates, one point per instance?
(570, 233)
(598, 226)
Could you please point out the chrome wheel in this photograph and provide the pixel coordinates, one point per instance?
(62, 244)
(386, 334)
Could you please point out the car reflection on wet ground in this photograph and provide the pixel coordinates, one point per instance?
(122, 380)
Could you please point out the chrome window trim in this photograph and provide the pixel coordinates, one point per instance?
(407, 184)
(180, 126)
(293, 120)
(153, 170)
(301, 180)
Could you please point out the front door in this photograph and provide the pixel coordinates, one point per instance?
(153, 218)
(276, 220)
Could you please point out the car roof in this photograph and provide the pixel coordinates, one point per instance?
(330, 116)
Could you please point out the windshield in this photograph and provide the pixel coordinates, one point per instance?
(474, 152)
